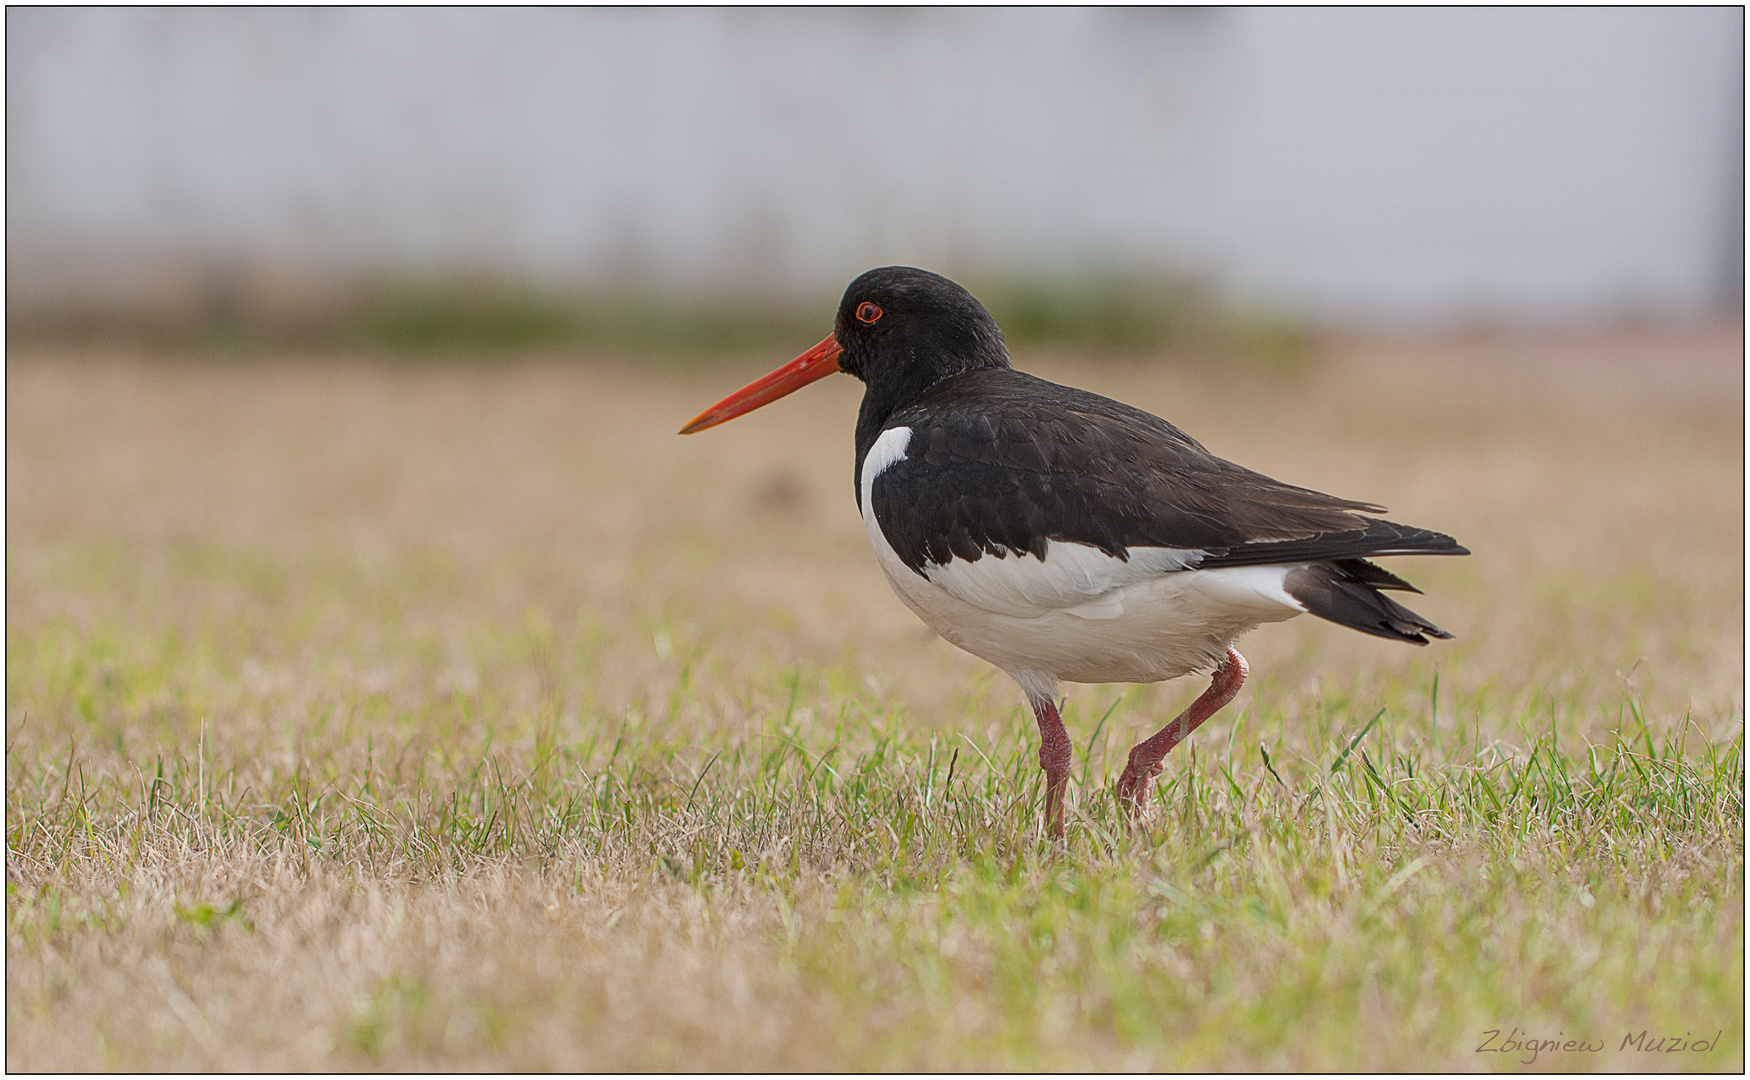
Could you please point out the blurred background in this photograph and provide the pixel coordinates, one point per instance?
(702, 178)
(356, 571)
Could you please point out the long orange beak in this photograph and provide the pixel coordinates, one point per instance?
(816, 363)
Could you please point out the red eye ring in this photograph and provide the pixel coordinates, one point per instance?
(867, 312)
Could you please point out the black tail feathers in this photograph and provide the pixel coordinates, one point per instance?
(1347, 592)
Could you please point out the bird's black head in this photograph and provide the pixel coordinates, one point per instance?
(903, 330)
(900, 330)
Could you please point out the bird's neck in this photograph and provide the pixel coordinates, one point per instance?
(881, 402)
(893, 378)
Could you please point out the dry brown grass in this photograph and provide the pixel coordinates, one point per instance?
(360, 713)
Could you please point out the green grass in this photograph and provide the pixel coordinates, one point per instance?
(1344, 895)
(319, 772)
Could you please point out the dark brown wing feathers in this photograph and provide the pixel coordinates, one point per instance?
(1002, 461)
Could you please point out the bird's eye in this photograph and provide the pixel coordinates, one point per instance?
(867, 312)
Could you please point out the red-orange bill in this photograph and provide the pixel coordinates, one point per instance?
(816, 363)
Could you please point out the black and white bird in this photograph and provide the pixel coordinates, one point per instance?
(1064, 536)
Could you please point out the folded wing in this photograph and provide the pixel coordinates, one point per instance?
(1017, 494)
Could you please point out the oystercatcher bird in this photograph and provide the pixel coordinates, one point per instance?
(1064, 536)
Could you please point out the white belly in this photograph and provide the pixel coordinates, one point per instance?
(1174, 625)
(1080, 615)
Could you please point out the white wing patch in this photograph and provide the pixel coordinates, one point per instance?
(1079, 579)
(889, 448)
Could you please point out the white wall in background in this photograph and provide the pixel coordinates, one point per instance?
(1358, 162)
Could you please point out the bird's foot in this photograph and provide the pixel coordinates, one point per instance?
(1132, 786)
(1054, 789)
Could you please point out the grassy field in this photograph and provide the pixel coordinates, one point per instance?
(370, 714)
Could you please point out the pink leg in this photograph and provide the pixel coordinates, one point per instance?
(1147, 755)
(1054, 757)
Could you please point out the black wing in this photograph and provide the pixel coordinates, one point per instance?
(1000, 461)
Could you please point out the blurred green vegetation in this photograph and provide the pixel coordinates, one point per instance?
(440, 319)
(471, 318)
(1126, 314)
(1111, 314)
